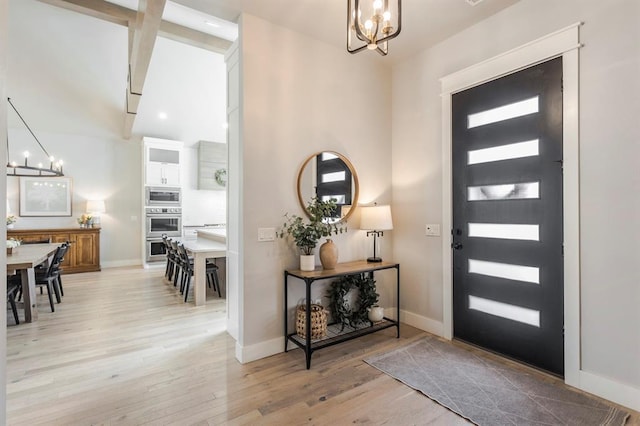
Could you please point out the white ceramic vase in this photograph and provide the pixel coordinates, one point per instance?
(307, 262)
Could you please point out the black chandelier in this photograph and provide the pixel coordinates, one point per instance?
(15, 169)
(372, 23)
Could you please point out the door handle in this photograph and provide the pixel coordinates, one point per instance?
(456, 246)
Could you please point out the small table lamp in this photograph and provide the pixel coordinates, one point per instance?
(95, 207)
(376, 219)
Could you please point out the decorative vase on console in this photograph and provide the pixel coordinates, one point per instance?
(329, 254)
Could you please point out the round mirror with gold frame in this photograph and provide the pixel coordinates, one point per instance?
(326, 175)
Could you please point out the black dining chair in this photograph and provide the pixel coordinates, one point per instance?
(178, 263)
(49, 277)
(188, 270)
(213, 281)
(12, 289)
(171, 258)
(64, 250)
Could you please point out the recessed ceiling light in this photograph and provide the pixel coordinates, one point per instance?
(212, 24)
(225, 125)
(162, 115)
(473, 2)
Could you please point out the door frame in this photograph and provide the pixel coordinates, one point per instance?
(565, 43)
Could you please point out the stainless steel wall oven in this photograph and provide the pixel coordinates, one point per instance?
(163, 196)
(156, 251)
(163, 221)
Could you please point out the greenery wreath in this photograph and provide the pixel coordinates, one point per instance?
(341, 311)
(221, 177)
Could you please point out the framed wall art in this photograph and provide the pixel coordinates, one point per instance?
(45, 196)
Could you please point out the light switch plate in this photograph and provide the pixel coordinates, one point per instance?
(266, 234)
(432, 230)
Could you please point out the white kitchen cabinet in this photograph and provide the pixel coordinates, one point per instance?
(162, 162)
(159, 174)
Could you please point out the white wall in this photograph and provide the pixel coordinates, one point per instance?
(64, 92)
(100, 169)
(609, 149)
(4, 19)
(67, 77)
(199, 206)
(189, 85)
(67, 71)
(301, 96)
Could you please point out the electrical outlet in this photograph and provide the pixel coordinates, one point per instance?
(266, 234)
(432, 230)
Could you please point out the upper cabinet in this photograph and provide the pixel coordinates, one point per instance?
(162, 162)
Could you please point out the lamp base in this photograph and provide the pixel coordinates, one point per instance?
(374, 259)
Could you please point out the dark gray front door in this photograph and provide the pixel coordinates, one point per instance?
(507, 216)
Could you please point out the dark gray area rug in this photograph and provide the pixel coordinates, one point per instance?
(488, 392)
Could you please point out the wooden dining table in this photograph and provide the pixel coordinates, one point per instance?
(23, 261)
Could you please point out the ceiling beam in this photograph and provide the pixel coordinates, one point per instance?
(123, 16)
(193, 37)
(144, 27)
(98, 9)
(144, 34)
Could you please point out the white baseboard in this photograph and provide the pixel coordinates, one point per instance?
(232, 330)
(423, 323)
(274, 346)
(246, 354)
(606, 388)
(121, 263)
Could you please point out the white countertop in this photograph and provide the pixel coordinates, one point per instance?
(209, 247)
(215, 234)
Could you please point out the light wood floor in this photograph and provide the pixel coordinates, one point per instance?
(123, 348)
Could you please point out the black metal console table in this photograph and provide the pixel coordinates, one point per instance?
(336, 334)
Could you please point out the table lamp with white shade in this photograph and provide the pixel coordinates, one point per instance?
(95, 208)
(376, 219)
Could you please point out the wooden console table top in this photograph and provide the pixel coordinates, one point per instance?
(346, 268)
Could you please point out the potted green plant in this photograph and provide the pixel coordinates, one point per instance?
(11, 219)
(306, 234)
(85, 221)
(12, 244)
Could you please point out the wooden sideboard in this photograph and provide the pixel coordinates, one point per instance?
(84, 251)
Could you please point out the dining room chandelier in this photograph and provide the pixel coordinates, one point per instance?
(18, 169)
(372, 23)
